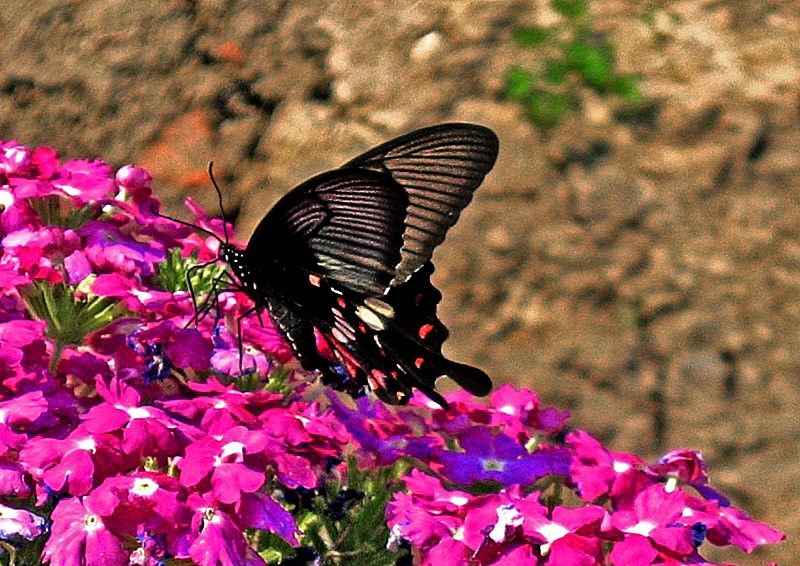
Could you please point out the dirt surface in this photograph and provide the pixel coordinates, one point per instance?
(641, 269)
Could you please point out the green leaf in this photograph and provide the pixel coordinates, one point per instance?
(570, 8)
(519, 83)
(594, 64)
(530, 36)
(556, 71)
(627, 86)
(56, 210)
(70, 316)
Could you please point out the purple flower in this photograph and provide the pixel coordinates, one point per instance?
(383, 436)
(77, 267)
(80, 536)
(499, 458)
(181, 347)
(259, 511)
(112, 250)
(225, 357)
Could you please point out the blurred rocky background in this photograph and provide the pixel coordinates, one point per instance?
(635, 254)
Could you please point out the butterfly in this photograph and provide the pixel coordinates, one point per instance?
(346, 255)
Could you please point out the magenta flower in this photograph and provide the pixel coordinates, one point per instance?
(146, 430)
(217, 538)
(73, 464)
(597, 471)
(145, 502)
(79, 535)
(568, 536)
(14, 158)
(216, 403)
(688, 467)
(85, 180)
(656, 519)
(518, 408)
(111, 385)
(728, 525)
(224, 463)
(44, 162)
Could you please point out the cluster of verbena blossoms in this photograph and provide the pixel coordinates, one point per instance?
(128, 435)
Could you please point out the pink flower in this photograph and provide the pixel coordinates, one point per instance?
(146, 430)
(597, 471)
(218, 540)
(85, 180)
(145, 502)
(79, 535)
(222, 461)
(657, 516)
(14, 158)
(73, 464)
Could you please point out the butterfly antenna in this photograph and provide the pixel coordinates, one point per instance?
(190, 225)
(219, 198)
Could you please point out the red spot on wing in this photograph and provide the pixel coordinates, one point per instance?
(418, 362)
(424, 330)
(315, 280)
(342, 303)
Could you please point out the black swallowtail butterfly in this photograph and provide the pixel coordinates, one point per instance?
(348, 253)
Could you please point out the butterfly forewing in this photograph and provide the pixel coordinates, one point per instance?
(439, 168)
(346, 224)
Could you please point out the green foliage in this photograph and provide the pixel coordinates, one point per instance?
(55, 210)
(359, 536)
(581, 59)
(176, 273)
(570, 8)
(530, 37)
(70, 316)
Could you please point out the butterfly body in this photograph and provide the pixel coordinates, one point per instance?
(346, 256)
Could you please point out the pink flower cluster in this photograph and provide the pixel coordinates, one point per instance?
(128, 435)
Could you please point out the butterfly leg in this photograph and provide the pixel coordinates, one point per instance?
(189, 272)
